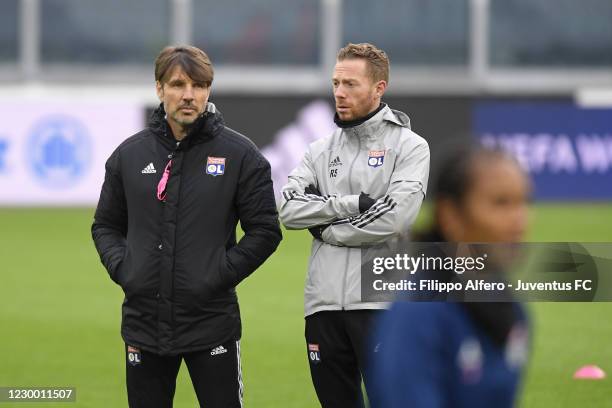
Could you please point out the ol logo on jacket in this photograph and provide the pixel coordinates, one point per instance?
(376, 158)
(215, 166)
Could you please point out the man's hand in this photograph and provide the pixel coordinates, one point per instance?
(365, 202)
(317, 230)
(311, 189)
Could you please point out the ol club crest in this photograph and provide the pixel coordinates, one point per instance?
(376, 158)
(215, 166)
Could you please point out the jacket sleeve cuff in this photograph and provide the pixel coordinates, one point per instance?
(349, 206)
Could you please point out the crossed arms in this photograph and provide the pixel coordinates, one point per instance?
(390, 215)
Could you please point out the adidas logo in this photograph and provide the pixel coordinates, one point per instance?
(335, 162)
(218, 350)
(150, 169)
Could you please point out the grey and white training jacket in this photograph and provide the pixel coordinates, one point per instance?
(381, 157)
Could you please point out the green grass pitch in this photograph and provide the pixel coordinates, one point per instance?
(60, 316)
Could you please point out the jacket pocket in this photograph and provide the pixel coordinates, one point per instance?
(206, 276)
(227, 279)
(118, 275)
(325, 274)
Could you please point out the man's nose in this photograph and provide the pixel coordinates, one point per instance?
(188, 93)
(339, 92)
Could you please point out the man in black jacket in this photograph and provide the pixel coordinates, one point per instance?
(165, 231)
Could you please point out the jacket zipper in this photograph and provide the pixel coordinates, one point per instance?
(348, 253)
(178, 144)
(173, 276)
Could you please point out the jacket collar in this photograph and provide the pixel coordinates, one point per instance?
(207, 126)
(344, 124)
(370, 128)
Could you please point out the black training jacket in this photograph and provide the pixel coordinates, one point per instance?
(177, 260)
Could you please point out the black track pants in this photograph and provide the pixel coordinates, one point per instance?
(337, 345)
(215, 373)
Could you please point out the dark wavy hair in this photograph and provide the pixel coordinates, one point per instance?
(192, 60)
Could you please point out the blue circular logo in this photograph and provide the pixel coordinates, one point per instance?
(59, 151)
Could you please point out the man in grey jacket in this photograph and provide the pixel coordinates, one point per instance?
(360, 186)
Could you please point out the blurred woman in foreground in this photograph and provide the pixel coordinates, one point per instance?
(442, 354)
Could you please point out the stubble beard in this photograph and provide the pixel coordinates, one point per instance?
(360, 110)
(183, 122)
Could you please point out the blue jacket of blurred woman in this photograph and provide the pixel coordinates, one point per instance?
(443, 354)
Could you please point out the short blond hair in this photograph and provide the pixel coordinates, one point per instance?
(376, 59)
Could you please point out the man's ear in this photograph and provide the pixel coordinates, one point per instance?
(381, 87)
(159, 89)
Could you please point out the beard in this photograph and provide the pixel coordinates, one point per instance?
(184, 120)
(360, 109)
